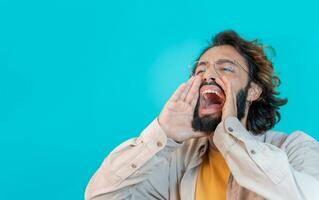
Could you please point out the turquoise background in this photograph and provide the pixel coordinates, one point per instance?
(77, 78)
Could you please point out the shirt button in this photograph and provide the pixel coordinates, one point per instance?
(230, 129)
(159, 144)
(133, 166)
(252, 151)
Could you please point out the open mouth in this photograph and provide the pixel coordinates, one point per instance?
(212, 99)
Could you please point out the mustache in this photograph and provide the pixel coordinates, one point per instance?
(211, 83)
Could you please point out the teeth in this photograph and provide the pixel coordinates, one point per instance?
(211, 91)
(218, 93)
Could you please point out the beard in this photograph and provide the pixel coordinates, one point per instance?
(208, 123)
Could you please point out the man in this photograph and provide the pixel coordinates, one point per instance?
(212, 140)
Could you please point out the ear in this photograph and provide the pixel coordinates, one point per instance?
(254, 92)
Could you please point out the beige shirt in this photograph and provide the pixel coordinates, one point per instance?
(272, 166)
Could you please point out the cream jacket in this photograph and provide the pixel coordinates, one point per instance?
(272, 166)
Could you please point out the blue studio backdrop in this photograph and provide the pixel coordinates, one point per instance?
(77, 78)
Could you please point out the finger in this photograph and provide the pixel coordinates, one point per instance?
(230, 107)
(188, 86)
(227, 84)
(178, 92)
(194, 90)
(230, 93)
(194, 101)
(221, 84)
(199, 135)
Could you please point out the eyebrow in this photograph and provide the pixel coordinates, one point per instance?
(225, 60)
(219, 61)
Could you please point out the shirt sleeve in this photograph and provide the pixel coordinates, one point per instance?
(274, 173)
(131, 169)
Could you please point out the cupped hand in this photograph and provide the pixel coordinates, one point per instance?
(177, 114)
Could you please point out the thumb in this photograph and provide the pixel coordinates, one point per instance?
(198, 134)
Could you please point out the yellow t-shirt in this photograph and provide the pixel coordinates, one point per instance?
(212, 178)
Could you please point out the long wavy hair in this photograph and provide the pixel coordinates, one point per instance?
(264, 112)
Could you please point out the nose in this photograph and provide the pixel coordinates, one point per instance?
(209, 75)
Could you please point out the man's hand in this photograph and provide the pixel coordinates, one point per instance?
(230, 105)
(229, 110)
(177, 114)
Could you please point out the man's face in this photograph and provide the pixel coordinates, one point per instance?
(223, 61)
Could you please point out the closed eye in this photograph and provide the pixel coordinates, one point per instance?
(199, 72)
(228, 69)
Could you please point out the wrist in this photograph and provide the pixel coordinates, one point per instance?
(168, 133)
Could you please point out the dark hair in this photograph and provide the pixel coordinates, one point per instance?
(263, 113)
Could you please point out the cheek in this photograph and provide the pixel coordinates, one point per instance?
(236, 85)
(238, 88)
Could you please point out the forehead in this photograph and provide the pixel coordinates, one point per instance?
(222, 52)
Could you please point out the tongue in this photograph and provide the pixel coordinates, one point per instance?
(211, 102)
(209, 107)
(212, 98)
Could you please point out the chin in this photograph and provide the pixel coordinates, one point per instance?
(206, 123)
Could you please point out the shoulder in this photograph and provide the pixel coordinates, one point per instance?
(288, 141)
(301, 149)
